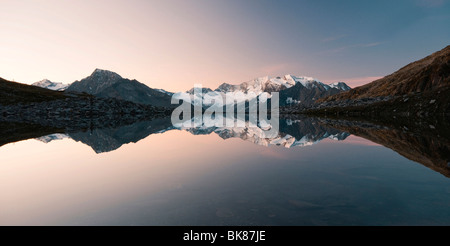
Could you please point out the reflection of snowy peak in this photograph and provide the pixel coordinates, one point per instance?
(299, 132)
(108, 139)
(55, 86)
(282, 139)
(52, 137)
(292, 133)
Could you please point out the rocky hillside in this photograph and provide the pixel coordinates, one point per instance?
(419, 105)
(13, 93)
(30, 104)
(427, 74)
(81, 112)
(420, 89)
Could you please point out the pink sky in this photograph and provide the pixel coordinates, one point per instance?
(175, 44)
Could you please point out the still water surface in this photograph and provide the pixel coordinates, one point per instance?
(307, 175)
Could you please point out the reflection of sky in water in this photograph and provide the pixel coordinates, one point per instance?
(176, 178)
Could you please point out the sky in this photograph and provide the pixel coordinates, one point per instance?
(174, 44)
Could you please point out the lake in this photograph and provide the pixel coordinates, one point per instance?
(313, 172)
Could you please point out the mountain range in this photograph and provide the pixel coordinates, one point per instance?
(293, 90)
(423, 86)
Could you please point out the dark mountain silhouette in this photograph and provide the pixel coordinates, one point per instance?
(307, 95)
(105, 84)
(108, 139)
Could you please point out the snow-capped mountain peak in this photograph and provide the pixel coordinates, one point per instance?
(275, 84)
(56, 86)
(294, 89)
(309, 82)
(165, 92)
(257, 86)
(52, 137)
(304, 80)
(340, 85)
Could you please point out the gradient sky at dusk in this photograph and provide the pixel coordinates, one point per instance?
(173, 44)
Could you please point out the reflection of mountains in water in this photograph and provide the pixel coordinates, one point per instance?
(108, 139)
(418, 141)
(300, 132)
(423, 143)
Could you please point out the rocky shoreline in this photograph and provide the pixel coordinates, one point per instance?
(419, 105)
(334, 104)
(77, 112)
